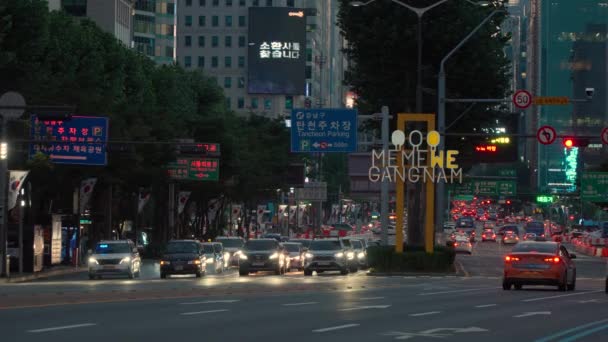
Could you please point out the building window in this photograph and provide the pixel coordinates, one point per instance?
(202, 3)
(269, 3)
(187, 61)
(214, 62)
(227, 82)
(288, 102)
(228, 103)
(308, 54)
(241, 82)
(228, 21)
(188, 20)
(215, 21)
(291, 3)
(228, 62)
(240, 103)
(241, 61)
(188, 2)
(241, 41)
(202, 20)
(215, 41)
(242, 22)
(201, 61)
(188, 40)
(254, 103)
(228, 3)
(228, 41)
(242, 3)
(267, 104)
(308, 71)
(256, 3)
(201, 41)
(216, 3)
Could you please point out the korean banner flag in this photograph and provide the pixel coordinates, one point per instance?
(86, 191)
(15, 184)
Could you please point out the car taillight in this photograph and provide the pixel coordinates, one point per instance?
(483, 235)
(494, 236)
(455, 244)
(554, 260)
(509, 258)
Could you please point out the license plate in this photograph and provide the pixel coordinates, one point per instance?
(108, 267)
(324, 263)
(536, 266)
(258, 264)
(179, 268)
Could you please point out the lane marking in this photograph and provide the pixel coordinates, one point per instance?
(456, 291)
(485, 306)
(566, 332)
(585, 333)
(298, 304)
(202, 312)
(345, 326)
(425, 313)
(560, 296)
(371, 298)
(73, 326)
(212, 302)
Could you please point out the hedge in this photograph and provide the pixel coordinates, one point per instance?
(413, 259)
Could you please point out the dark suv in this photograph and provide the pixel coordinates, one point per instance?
(263, 255)
(183, 257)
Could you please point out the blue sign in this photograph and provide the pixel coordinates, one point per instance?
(81, 140)
(323, 130)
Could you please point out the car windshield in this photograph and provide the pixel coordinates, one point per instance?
(217, 247)
(325, 245)
(182, 247)
(540, 247)
(346, 243)
(261, 245)
(231, 242)
(357, 244)
(305, 243)
(292, 247)
(111, 248)
(208, 249)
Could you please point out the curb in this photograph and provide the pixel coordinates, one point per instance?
(411, 274)
(41, 275)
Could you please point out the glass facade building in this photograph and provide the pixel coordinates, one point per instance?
(154, 29)
(573, 57)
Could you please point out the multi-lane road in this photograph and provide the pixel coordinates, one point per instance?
(357, 307)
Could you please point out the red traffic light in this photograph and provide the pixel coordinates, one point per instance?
(570, 142)
(508, 202)
(571, 217)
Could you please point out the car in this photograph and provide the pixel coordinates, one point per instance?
(327, 255)
(510, 238)
(183, 257)
(114, 257)
(539, 263)
(360, 250)
(275, 236)
(462, 244)
(488, 235)
(529, 236)
(508, 228)
(296, 255)
(214, 259)
(305, 242)
(353, 263)
(232, 247)
(263, 255)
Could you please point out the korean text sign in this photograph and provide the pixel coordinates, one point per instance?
(323, 130)
(277, 51)
(197, 169)
(81, 140)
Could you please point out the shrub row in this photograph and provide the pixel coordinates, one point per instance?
(413, 259)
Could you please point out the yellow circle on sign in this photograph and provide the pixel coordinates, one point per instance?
(433, 138)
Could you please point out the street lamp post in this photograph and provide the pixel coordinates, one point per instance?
(441, 100)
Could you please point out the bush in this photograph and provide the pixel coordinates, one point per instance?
(413, 259)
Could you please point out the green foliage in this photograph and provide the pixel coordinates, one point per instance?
(413, 259)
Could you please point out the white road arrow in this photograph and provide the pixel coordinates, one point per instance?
(366, 307)
(316, 145)
(589, 301)
(455, 330)
(528, 314)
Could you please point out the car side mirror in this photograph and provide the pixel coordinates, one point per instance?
(572, 256)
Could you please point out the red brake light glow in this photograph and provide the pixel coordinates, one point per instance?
(511, 258)
(553, 260)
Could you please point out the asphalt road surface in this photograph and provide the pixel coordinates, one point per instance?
(326, 307)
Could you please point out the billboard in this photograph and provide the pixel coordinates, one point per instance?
(277, 51)
(81, 140)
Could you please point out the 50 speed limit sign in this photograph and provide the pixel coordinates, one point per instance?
(522, 99)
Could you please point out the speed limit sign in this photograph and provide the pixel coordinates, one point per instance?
(522, 99)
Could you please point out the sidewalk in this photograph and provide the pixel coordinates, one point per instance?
(45, 273)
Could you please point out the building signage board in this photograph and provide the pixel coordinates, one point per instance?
(195, 169)
(494, 187)
(594, 186)
(312, 192)
(81, 140)
(323, 130)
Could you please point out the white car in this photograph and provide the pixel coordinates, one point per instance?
(462, 244)
(115, 257)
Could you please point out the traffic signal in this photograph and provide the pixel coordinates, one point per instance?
(508, 202)
(570, 142)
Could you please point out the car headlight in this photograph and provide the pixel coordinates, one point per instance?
(242, 256)
(361, 255)
(93, 261)
(227, 255)
(274, 256)
(125, 260)
(210, 261)
(339, 255)
(163, 262)
(308, 255)
(297, 257)
(194, 262)
(350, 255)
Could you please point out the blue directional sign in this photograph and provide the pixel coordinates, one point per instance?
(80, 140)
(323, 130)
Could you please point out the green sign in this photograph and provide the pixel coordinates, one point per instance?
(196, 169)
(463, 188)
(494, 188)
(594, 186)
(463, 197)
(507, 173)
(85, 221)
(544, 199)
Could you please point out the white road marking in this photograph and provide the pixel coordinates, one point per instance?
(485, 306)
(560, 296)
(345, 326)
(425, 313)
(211, 302)
(298, 304)
(202, 312)
(74, 326)
(456, 291)
(366, 307)
(371, 298)
(537, 313)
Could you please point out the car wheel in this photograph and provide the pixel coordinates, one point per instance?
(343, 271)
(353, 270)
(564, 284)
(198, 274)
(91, 276)
(278, 271)
(163, 276)
(572, 287)
(506, 285)
(131, 274)
(243, 273)
(518, 287)
(308, 273)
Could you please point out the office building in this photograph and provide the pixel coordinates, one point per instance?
(154, 29)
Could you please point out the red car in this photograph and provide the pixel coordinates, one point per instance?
(539, 263)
